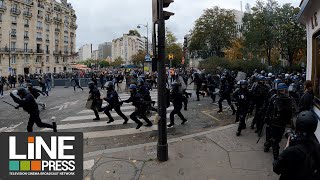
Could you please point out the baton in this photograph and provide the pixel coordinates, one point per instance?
(9, 104)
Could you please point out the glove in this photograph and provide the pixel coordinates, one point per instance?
(185, 108)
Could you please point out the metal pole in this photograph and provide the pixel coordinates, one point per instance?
(9, 52)
(162, 146)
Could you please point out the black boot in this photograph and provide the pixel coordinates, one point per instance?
(184, 121)
(266, 147)
(238, 133)
(170, 125)
(54, 124)
(275, 154)
(139, 125)
(220, 110)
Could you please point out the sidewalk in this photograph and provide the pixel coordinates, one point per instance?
(213, 155)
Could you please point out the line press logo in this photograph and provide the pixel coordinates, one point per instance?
(34, 155)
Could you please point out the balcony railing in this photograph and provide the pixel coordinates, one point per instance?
(39, 28)
(16, 50)
(3, 7)
(39, 39)
(56, 52)
(40, 16)
(48, 20)
(57, 9)
(47, 40)
(65, 52)
(13, 36)
(28, 2)
(15, 11)
(57, 19)
(73, 25)
(66, 22)
(14, 22)
(39, 51)
(41, 6)
(47, 52)
(66, 42)
(26, 37)
(27, 14)
(28, 51)
(66, 32)
(26, 25)
(57, 29)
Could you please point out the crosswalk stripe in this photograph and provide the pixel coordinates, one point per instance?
(119, 132)
(95, 124)
(78, 118)
(87, 111)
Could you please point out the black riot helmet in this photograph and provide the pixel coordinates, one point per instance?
(306, 122)
(91, 85)
(22, 92)
(223, 79)
(109, 85)
(243, 84)
(133, 88)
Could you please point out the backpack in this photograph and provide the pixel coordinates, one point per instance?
(312, 160)
(282, 111)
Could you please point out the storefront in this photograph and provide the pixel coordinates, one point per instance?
(310, 16)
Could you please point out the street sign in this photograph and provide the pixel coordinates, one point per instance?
(147, 57)
(171, 56)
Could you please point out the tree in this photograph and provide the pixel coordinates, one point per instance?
(139, 58)
(172, 47)
(235, 51)
(213, 32)
(104, 64)
(292, 34)
(134, 33)
(117, 62)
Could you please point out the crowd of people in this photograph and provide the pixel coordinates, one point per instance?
(276, 101)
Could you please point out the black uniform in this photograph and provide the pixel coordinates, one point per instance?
(178, 99)
(280, 112)
(76, 80)
(94, 95)
(141, 107)
(114, 103)
(225, 91)
(243, 101)
(29, 104)
(306, 101)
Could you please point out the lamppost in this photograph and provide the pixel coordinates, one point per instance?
(9, 68)
(146, 26)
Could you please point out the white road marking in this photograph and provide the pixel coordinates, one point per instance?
(88, 111)
(87, 165)
(79, 118)
(10, 129)
(118, 132)
(64, 105)
(96, 124)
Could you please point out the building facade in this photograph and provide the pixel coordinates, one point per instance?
(95, 55)
(105, 50)
(36, 36)
(127, 46)
(85, 52)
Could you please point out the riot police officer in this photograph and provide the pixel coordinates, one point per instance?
(301, 157)
(259, 91)
(113, 103)
(279, 113)
(141, 106)
(242, 97)
(28, 103)
(95, 96)
(225, 91)
(212, 85)
(144, 91)
(177, 98)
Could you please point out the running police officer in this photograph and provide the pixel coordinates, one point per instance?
(177, 98)
(242, 97)
(225, 91)
(279, 112)
(94, 95)
(28, 103)
(141, 106)
(113, 103)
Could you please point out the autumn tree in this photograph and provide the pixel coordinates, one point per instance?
(172, 47)
(117, 62)
(235, 51)
(138, 58)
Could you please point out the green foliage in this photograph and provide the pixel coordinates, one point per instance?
(174, 48)
(134, 33)
(138, 58)
(104, 64)
(213, 64)
(117, 62)
(213, 32)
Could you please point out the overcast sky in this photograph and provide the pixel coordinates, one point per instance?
(103, 20)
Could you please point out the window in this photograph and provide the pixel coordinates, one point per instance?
(57, 59)
(47, 48)
(47, 59)
(26, 21)
(14, 18)
(26, 59)
(13, 59)
(47, 37)
(0, 17)
(65, 48)
(39, 35)
(64, 59)
(316, 66)
(39, 24)
(47, 27)
(27, 9)
(26, 34)
(1, 3)
(38, 59)
(65, 38)
(15, 6)
(56, 48)
(39, 12)
(13, 46)
(48, 69)
(25, 47)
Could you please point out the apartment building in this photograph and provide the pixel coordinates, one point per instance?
(85, 52)
(37, 36)
(127, 46)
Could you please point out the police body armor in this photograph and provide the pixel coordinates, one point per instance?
(282, 111)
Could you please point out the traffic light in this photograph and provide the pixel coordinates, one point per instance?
(155, 10)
